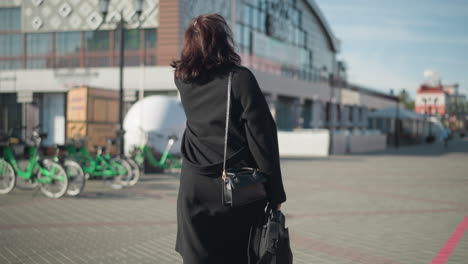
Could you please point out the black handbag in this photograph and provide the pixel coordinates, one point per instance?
(269, 241)
(241, 186)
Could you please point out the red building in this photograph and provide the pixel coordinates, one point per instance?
(432, 100)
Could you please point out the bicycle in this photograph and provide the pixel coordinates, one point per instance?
(102, 165)
(75, 174)
(136, 172)
(50, 175)
(7, 174)
(167, 161)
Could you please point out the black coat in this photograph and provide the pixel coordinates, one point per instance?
(208, 231)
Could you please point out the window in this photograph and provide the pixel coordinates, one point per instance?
(262, 23)
(132, 47)
(150, 38)
(38, 44)
(67, 49)
(38, 50)
(132, 39)
(246, 39)
(150, 46)
(238, 35)
(255, 17)
(10, 19)
(246, 15)
(10, 51)
(10, 45)
(97, 48)
(96, 41)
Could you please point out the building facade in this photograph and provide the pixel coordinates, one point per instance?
(432, 100)
(50, 46)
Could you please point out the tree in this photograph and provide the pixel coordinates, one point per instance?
(406, 100)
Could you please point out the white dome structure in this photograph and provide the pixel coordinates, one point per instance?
(154, 118)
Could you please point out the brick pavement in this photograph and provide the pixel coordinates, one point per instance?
(390, 207)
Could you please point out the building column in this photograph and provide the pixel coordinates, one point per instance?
(355, 114)
(298, 105)
(318, 114)
(365, 121)
(312, 113)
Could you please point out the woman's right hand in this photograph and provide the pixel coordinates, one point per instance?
(278, 207)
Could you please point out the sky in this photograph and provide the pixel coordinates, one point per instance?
(389, 44)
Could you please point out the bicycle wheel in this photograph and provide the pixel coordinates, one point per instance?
(58, 185)
(124, 170)
(76, 177)
(7, 177)
(26, 184)
(136, 172)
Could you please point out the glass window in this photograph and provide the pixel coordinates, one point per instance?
(97, 47)
(238, 35)
(132, 39)
(10, 64)
(11, 45)
(38, 44)
(150, 45)
(254, 17)
(246, 15)
(262, 23)
(96, 40)
(10, 19)
(246, 38)
(150, 38)
(299, 19)
(67, 49)
(67, 43)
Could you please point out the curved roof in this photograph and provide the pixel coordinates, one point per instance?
(393, 112)
(334, 42)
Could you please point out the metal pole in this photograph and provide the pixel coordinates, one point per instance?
(397, 124)
(120, 28)
(331, 113)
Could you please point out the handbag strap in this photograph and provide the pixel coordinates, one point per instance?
(228, 107)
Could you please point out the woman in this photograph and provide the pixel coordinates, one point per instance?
(207, 230)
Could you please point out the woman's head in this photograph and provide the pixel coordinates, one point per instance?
(208, 44)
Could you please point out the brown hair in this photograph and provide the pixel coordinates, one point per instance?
(208, 45)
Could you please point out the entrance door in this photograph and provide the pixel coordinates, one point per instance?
(53, 118)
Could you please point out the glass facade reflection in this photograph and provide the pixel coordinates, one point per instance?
(271, 36)
(96, 48)
(38, 50)
(67, 49)
(10, 51)
(10, 19)
(75, 49)
(282, 37)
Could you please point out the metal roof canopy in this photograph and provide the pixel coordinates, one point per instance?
(393, 112)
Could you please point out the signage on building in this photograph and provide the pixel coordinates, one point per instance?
(350, 97)
(25, 97)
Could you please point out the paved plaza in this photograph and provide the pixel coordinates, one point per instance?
(398, 206)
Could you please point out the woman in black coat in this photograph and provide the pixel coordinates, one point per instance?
(207, 230)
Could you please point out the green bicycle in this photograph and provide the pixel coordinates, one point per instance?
(102, 165)
(75, 174)
(49, 174)
(7, 174)
(167, 161)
